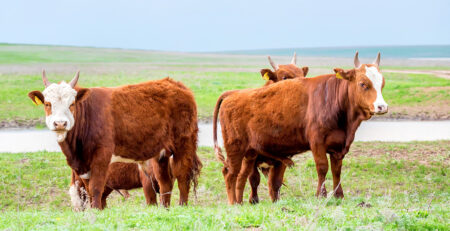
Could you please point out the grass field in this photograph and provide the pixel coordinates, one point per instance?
(387, 186)
(409, 95)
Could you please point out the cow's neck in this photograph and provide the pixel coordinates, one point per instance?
(354, 117)
(75, 146)
(337, 110)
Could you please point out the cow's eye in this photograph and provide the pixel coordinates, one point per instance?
(47, 105)
(73, 104)
(284, 77)
(364, 86)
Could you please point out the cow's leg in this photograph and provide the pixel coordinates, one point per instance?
(162, 174)
(275, 181)
(124, 193)
(254, 180)
(246, 168)
(320, 157)
(336, 165)
(184, 182)
(188, 170)
(97, 181)
(230, 173)
(105, 195)
(84, 195)
(77, 193)
(149, 185)
(185, 165)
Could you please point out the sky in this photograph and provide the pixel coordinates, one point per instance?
(205, 26)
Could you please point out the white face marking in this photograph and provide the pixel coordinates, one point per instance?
(61, 96)
(377, 81)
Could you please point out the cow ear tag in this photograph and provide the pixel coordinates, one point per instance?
(37, 101)
(266, 76)
(339, 76)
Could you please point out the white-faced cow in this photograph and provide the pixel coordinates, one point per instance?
(320, 114)
(140, 123)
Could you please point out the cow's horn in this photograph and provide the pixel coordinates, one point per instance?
(294, 59)
(377, 60)
(74, 81)
(356, 61)
(274, 65)
(44, 79)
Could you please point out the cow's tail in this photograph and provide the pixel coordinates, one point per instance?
(195, 173)
(217, 149)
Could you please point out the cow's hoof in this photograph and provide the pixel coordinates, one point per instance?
(339, 195)
(254, 200)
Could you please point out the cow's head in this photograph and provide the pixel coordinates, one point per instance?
(59, 103)
(365, 85)
(283, 72)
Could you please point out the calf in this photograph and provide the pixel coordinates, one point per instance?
(120, 177)
(140, 123)
(320, 114)
(272, 169)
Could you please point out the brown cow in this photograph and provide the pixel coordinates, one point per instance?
(121, 177)
(272, 169)
(289, 117)
(140, 123)
(283, 72)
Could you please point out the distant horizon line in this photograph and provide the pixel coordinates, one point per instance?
(224, 51)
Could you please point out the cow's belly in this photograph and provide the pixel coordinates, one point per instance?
(281, 145)
(141, 136)
(284, 139)
(136, 157)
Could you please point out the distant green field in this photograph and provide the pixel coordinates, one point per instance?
(207, 86)
(208, 75)
(403, 186)
(29, 54)
(412, 90)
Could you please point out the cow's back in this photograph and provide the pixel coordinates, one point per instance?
(147, 117)
(268, 117)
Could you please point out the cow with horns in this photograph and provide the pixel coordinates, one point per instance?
(320, 114)
(149, 122)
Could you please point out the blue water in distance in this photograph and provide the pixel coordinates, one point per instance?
(426, 51)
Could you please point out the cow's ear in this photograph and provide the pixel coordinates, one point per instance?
(305, 71)
(82, 94)
(343, 74)
(36, 96)
(267, 74)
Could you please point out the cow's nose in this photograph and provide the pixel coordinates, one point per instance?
(60, 125)
(381, 109)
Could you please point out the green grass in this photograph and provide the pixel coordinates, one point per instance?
(411, 90)
(29, 54)
(207, 86)
(415, 89)
(207, 75)
(406, 185)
